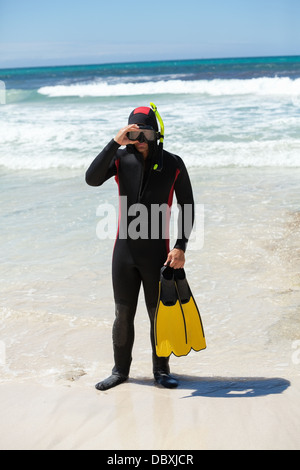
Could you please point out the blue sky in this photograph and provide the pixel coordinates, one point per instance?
(65, 32)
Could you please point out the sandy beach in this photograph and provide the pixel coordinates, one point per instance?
(237, 399)
(242, 392)
(203, 414)
(49, 402)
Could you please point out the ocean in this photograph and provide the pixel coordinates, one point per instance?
(236, 124)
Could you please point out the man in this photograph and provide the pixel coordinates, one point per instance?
(139, 254)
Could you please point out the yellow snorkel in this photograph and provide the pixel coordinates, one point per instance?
(158, 166)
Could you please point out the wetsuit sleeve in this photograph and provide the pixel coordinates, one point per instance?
(103, 167)
(186, 206)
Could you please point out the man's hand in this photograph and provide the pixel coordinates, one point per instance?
(121, 137)
(176, 259)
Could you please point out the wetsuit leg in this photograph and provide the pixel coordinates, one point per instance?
(126, 285)
(150, 274)
(150, 277)
(127, 278)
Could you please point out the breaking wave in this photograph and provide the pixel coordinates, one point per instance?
(257, 86)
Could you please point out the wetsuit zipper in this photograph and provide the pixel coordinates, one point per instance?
(142, 189)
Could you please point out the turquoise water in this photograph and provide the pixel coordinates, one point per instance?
(241, 68)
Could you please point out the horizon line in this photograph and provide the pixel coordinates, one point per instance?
(149, 61)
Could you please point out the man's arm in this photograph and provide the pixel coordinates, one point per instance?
(103, 167)
(185, 200)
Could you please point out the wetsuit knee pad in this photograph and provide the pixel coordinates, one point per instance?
(123, 329)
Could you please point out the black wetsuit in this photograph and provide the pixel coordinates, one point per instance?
(138, 261)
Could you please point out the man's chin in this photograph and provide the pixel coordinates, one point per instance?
(141, 147)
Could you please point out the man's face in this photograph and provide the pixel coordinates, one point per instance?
(142, 147)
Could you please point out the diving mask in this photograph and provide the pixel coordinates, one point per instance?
(144, 134)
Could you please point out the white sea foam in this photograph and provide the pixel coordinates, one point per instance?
(258, 86)
(205, 130)
(284, 153)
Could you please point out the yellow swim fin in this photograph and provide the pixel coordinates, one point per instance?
(178, 326)
(169, 326)
(194, 326)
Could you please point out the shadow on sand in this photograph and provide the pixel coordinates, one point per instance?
(232, 387)
(227, 387)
